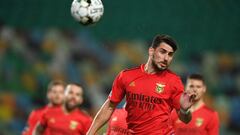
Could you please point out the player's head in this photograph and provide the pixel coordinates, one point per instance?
(55, 92)
(196, 84)
(161, 51)
(73, 96)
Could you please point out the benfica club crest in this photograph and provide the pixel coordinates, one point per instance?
(73, 124)
(199, 122)
(160, 87)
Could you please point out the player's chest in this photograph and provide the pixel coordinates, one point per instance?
(198, 122)
(149, 86)
(64, 123)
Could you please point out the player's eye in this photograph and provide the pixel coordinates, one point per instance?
(162, 51)
(170, 54)
(191, 86)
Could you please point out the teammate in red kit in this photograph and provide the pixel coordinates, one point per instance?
(117, 124)
(68, 119)
(204, 120)
(55, 93)
(152, 91)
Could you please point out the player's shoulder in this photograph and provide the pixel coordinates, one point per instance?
(84, 113)
(120, 112)
(37, 112)
(209, 110)
(39, 109)
(172, 75)
(131, 73)
(52, 111)
(133, 69)
(83, 116)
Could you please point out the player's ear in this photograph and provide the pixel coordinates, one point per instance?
(150, 51)
(81, 101)
(49, 95)
(204, 88)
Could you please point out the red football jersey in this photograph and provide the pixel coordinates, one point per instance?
(117, 124)
(204, 122)
(33, 119)
(56, 122)
(150, 99)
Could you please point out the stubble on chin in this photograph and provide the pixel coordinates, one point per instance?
(156, 67)
(69, 107)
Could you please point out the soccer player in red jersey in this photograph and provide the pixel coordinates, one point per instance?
(152, 91)
(204, 121)
(55, 94)
(117, 124)
(68, 119)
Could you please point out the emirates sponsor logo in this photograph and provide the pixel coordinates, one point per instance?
(141, 101)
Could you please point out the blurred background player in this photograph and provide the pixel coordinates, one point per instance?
(117, 125)
(68, 119)
(204, 121)
(55, 94)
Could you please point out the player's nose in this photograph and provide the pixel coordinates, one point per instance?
(194, 90)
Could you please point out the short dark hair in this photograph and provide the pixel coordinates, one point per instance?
(196, 77)
(54, 83)
(158, 39)
(76, 84)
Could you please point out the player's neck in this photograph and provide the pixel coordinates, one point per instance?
(67, 110)
(197, 105)
(149, 68)
(53, 105)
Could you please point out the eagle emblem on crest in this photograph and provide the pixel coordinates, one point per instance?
(73, 125)
(199, 122)
(160, 87)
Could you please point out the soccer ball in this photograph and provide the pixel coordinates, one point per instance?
(87, 11)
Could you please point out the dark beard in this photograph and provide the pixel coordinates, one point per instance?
(156, 68)
(70, 108)
(55, 104)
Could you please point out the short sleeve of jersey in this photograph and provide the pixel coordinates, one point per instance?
(178, 89)
(87, 124)
(213, 126)
(110, 124)
(43, 120)
(31, 122)
(31, 118)
(109, 129)
(173, 116)
(118, 90)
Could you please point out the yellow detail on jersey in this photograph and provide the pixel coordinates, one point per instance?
(73, 125)
(160, 87)
(132, 84)
(52, 120)
(199, 122)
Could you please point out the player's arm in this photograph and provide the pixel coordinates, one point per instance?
(39, 129)
(102, 117)
(185, 115)
(186, 101)
(213, 126)
(182, 101)
(29, 125)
